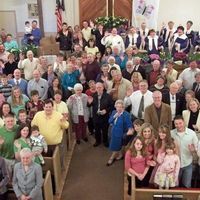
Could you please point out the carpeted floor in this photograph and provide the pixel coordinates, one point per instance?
(89, 178)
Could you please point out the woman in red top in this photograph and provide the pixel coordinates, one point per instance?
(136, 163)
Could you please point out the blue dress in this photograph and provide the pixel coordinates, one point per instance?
(120, 127)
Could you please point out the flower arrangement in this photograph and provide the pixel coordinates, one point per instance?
(111, 21)
(165, 56)
(180, 56)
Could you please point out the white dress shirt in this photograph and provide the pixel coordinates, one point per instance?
(135, 99)
(173, 105)
(187, 76)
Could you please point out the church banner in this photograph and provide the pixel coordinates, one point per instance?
(145, 11)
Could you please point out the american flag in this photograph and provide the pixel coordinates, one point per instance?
(60, 7)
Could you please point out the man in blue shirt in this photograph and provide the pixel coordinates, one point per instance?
(36, 34)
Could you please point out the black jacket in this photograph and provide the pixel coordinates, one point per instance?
(105, 103)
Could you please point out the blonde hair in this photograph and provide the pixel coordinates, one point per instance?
(143, 127)
(195, 100)
(139, 76)
(119, 101)
(14, 101)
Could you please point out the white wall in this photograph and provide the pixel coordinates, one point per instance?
(179, 11)
(21, 9)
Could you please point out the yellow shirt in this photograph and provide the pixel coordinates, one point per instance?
(91, 50)
(86, 33)
(61, 107)
(50, 127)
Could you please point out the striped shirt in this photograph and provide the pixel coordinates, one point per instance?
(6, 90)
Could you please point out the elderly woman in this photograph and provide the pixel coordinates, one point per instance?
(27, 177)
(127, 57)
(111, 63)
(120, 120)
(69, 79)
(77, 104)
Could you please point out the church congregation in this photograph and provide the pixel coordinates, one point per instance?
(111, 84)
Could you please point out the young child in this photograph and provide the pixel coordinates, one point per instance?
(136, 162)
(34, 105)
(38, 144)
(136, 131)
(5, 88)
(27, 32)
(23, 118)
(167, 173)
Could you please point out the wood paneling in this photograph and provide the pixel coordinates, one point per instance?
(123, 8)
(90, 9)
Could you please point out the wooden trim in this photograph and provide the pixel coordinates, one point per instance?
(40, 12)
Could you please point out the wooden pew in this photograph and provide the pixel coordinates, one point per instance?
(147, 193)
(47, 187)
(53, 164)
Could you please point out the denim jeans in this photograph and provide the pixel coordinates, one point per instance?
(185, 176)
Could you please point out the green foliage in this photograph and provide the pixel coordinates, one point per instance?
(24, 49)
(29, 47)
(194, 56)
(111, 21)
(165, 56)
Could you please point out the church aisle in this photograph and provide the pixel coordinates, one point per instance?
(89, 178)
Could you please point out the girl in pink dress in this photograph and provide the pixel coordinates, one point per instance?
(164, 137)
(167, 173)
(136, 162)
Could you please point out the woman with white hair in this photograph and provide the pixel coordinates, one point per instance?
(120, 120)
(27, 177)
(111, 63)
(77, 105)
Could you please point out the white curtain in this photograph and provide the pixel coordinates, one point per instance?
(145, 11)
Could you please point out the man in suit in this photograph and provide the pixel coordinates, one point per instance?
(196, 85)
(101, 103)
(174, 99)
(158, 112)
(18, 81)
(138, 68)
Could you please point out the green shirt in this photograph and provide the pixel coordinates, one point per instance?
(183, 141)
(21, 143)
(7, 148)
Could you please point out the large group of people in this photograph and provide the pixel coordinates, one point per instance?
(149, 117)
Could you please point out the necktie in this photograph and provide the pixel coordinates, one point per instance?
(99, 98)
(17, 82)
(197, 88)
(141, 107)
(173, 97)
(143, 33)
